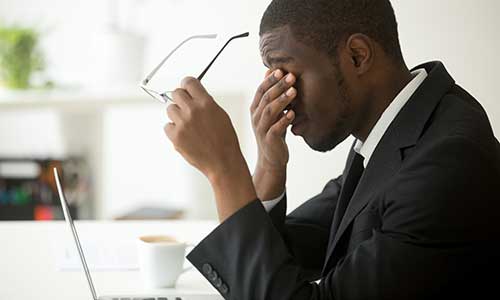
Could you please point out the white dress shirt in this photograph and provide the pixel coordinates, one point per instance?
(366, 149)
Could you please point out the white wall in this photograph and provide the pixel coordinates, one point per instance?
(461, 33)
(464, 35)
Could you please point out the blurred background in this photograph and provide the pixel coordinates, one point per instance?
(69, 97)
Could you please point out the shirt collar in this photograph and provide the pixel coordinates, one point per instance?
(367, 148)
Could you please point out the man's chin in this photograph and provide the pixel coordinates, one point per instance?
(323, 145)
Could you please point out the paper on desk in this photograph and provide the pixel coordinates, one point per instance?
(116, 255)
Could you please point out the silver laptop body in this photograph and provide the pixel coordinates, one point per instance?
(170, 296)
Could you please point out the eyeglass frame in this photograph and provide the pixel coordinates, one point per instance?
(165, 97)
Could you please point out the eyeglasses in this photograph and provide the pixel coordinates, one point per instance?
(165, 97)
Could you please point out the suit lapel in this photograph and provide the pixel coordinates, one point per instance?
(384, 162)
(403, 132)
(382, 165)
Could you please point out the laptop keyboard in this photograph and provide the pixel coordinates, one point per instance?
(163, 297)
(148, 298)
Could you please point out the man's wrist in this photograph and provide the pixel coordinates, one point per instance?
(227, 168)
(232, 186)
(268, 168)
(269, 182)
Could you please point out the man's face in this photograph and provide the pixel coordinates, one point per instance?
(323, 107)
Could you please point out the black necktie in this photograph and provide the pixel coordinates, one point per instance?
(350, 183)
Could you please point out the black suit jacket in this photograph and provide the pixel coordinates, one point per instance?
(423, 222)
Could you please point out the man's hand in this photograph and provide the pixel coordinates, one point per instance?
(201, 130)
(202, 133)
(270, 123)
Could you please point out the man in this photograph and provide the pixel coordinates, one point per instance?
(414, 214)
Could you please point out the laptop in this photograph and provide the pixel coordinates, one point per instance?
(169, 296)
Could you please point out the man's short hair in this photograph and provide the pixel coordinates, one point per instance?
(324, 24)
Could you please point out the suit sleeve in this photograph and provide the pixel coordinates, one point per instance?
(301, 238)
(306, 230)
(437, 233)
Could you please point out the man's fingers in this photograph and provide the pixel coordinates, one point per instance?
(279, 128)
(174, 113)
(271, 79)
(181, 98)
(194, 87)
(274, 92)
(268, 72)
(169, 129)
(273, 110)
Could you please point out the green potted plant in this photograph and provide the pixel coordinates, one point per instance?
(19, 56)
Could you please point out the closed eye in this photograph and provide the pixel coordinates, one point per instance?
(277, 60)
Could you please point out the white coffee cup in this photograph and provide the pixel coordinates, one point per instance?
(161, 260)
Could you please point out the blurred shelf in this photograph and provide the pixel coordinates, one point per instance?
(73, 99)
(152, 213)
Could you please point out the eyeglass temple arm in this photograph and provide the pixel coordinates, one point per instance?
(213, 60)
(204, 36)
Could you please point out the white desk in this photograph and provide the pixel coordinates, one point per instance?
(28, 268)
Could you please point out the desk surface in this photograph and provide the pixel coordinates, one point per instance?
(28, 266)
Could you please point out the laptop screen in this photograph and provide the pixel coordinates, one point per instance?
(69, 220)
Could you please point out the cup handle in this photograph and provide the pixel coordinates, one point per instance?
(188, 245)
(186, 269)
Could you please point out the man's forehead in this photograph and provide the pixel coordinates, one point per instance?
(271, 39)
(275, 45)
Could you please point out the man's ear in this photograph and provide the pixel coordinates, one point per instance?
(361, 49)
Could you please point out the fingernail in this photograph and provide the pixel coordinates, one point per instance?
(290, 91)
(278, 74)
(289, 78)
(290, 115)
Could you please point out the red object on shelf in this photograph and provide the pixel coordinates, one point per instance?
(43, 213)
